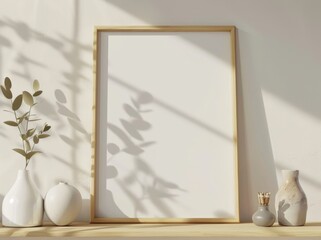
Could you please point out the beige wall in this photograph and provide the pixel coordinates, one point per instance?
(279, 79)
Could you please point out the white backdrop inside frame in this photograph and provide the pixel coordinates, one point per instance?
(166, 126)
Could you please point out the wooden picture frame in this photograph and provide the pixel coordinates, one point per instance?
(165, 126)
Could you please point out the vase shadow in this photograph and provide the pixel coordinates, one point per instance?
(283, 207)
(1, 200)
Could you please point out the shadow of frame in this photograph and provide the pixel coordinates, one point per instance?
(257, 171)
(1, 200)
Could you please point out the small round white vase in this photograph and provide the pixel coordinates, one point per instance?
(63, 204)
(290, 201)
(23, 205)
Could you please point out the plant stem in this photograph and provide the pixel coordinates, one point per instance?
(28, 160)
(28, 118)
(23, 143)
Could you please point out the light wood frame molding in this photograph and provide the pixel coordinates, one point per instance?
(96, 119)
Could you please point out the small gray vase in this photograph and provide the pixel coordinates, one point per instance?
(263, 217)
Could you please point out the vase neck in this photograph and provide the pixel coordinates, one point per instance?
(263, 207)
(290, 175)
(23, 174)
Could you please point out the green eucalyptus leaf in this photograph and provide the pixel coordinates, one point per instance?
(27, 98)
(27, 144)
(11, 123)
(36, 94)
(23, 136)
(30, 132)
(30, 154)
(35, 139)
(43, 135)
(17, 103)
(7, 83)
(36, 85)
(20, 151)
(20, 120)
(46, 128)
(6, 92)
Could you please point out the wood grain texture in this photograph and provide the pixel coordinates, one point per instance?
(163, 230)
(192, 28)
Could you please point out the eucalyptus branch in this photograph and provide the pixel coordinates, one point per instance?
(27, 123)
(27, 135)
(28, 118)
(17, 121)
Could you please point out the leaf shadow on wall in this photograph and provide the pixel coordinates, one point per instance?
(70, 48)
(130, 132)
(72, 118)
(168, 107)
(4, 43)
(68, 107)
(27, 34)
(75, 124)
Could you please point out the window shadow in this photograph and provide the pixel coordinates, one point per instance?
(280, 75)
(281, 51)
(257, 171)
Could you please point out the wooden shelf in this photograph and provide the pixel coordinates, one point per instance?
(163, 230)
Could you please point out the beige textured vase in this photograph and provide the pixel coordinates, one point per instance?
(290, 201)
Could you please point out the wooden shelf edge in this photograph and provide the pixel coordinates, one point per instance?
(163, 230)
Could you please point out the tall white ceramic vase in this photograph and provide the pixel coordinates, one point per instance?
(23, 205)
(290, 201)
